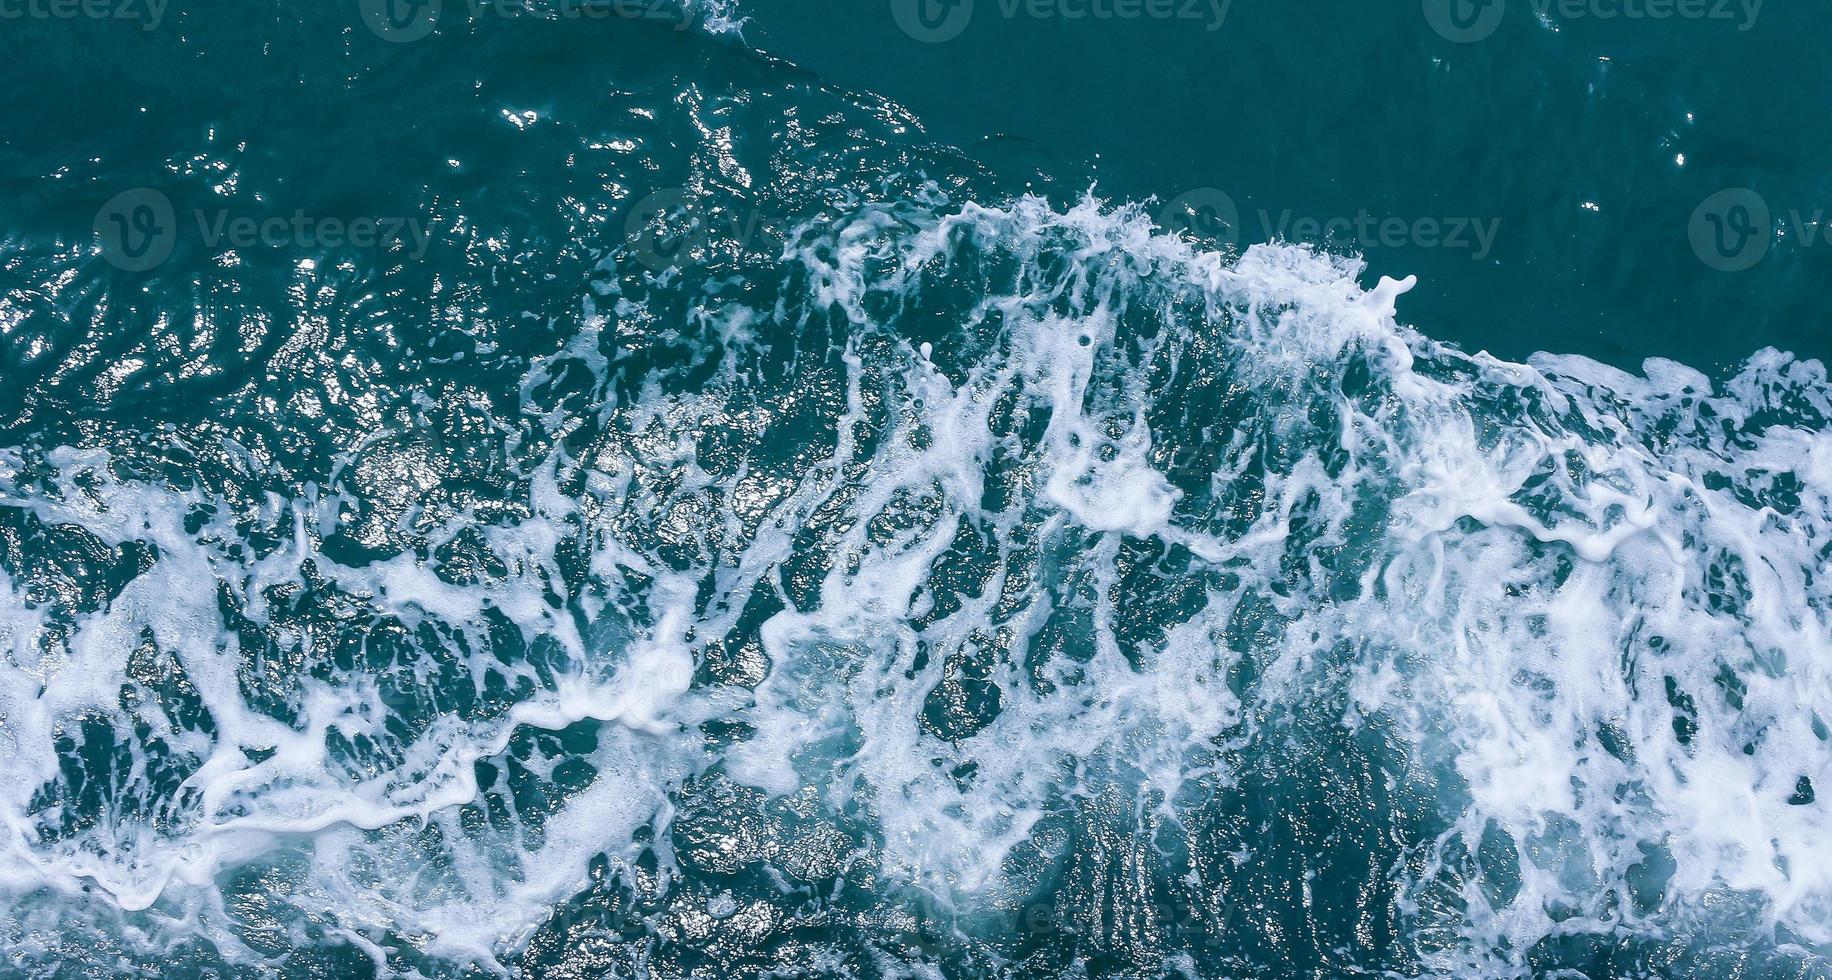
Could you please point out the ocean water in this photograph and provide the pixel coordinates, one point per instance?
(986, 489)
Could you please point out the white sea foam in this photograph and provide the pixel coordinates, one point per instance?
(1592, 602)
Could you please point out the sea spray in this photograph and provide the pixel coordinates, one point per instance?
(1006, 585)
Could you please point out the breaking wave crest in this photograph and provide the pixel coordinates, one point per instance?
(1004, 587)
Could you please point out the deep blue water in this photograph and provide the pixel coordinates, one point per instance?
(924, 488)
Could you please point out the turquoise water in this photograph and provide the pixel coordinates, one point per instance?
(930, 490)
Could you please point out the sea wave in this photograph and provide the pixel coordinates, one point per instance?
(1000, 583)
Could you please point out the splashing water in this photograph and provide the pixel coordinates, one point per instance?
(954, 589)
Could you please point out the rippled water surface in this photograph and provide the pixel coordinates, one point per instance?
(519, 493)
